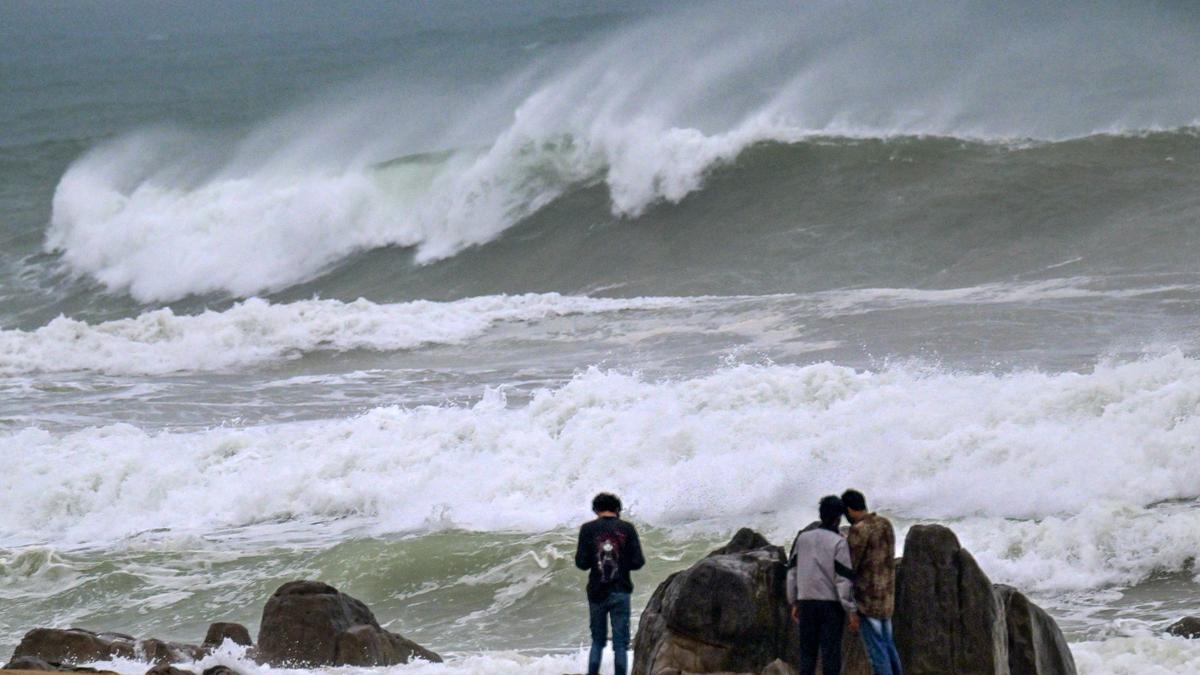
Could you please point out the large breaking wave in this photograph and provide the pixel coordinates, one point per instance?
(647, 112)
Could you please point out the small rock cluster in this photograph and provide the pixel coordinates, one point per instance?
(304, 624)
(728, 614)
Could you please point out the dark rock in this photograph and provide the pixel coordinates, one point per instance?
(948, 618)
(779, 667)
(161, 652)
(726, 613)
(74, 646)
(367, 646)
(220, 670)
(1036, 645)
(1188, 627)
(303, 625)
(30, 663)
(218, 633)
(744, 540)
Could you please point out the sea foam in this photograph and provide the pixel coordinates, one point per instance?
(255, 332)
(1055, 482)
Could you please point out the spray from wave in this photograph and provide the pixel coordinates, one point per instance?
(646, 111)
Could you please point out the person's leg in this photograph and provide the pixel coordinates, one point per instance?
(871, 631)
(889, 642)
(810, 636)
(598, 620)
(832, 624)
(619, 603)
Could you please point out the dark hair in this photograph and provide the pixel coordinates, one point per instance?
(606, 501)
(853, 499)
(831, 511)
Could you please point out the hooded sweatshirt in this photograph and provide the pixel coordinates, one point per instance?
(819, 569)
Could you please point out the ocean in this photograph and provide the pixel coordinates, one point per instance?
(382, 293)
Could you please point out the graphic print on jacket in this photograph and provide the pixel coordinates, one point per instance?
(608, 555)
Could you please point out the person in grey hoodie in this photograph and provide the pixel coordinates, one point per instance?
(820, 590)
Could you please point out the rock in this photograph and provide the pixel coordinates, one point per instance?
(218, 633)
(75, 646)
(162, 653)
(220, 670)
(744, 540)
(309, 623)
(30, 663)
(779, 667)
(27, 664)
(726, 613)
(948, 618)
(1188, 627)
(367, 646)
(1036, 645)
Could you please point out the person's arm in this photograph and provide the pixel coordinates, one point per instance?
(791, 576)
(844, 573)
(584, 550)
(636, 559)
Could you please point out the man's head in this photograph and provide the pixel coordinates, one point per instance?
(856, 505)
(830, 509)
(606, 502)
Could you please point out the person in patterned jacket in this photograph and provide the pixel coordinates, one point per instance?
(873, 552)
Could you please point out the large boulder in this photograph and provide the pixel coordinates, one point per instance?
(1036, 645)
(948, 617)
(726, 613)
(312, 624)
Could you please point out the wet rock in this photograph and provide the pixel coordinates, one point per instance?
(309, 623)
(368, 646)
(726, 613)
(162, 653)
(744, 540)
(33, 664)
(218, 633)
(1036, 645)
(1188, 627)
(220, 670)
(30, 663)
(948, 618)
(779, 667)
(74, 646)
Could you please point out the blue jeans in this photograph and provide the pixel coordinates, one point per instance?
(881, 647)
(616, 606)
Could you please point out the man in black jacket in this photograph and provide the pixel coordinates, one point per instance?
(609, 549)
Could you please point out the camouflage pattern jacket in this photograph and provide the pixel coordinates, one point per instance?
(873, 551)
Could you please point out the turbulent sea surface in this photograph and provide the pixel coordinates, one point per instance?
(382, 293)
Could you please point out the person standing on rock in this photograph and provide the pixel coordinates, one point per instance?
(609, 549)
(820, 590)
(873, 550)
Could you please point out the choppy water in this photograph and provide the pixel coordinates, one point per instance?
(383, 294)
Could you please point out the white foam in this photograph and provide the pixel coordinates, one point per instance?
(1051, 480)
(255, 332)
(1142, 654)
